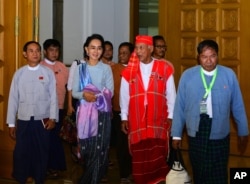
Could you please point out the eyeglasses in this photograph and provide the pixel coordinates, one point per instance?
(161, 47)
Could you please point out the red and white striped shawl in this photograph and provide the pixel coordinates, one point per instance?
(147, 120)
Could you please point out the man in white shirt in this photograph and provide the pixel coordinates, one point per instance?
(33, 101)
(147, 97)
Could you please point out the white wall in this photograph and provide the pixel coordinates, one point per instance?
(110, 18)
(45, 29)
(112, 21)
(72, 30)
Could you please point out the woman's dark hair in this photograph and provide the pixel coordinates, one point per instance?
(25, 47)
(207, 44)
(88, 40)
(85, 56)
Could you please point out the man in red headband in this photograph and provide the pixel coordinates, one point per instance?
(147, 97)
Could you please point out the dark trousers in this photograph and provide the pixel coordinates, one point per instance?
(122, 149)
(30, 156)
(56, 155)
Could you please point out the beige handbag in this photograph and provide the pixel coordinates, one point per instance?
(178, 174)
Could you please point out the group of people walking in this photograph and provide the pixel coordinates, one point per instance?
(137, 97)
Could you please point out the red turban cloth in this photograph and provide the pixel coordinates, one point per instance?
(130, 71)
(144, 39)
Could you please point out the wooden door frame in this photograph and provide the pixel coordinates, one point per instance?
(134, 19)
(19, 22)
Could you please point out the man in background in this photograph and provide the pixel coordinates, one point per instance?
(160, 48)
(108, 53)
(123, 156)
(51, 51)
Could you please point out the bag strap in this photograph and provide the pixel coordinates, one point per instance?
(78, 61)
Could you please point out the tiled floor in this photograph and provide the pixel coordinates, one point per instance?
(74, 170)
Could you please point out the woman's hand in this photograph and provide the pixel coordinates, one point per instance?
(89, 96)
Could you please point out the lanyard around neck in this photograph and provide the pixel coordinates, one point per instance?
(208, 89)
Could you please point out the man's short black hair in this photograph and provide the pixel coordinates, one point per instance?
(28, 43)
(207, 44)
(51, 42)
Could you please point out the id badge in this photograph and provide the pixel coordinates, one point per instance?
(203, 107)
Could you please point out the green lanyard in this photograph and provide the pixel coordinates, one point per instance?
(205, 83)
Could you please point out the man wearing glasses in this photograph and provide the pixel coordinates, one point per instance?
(160, 48)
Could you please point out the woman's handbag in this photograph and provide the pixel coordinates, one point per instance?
(178, 173)
(68, 130)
